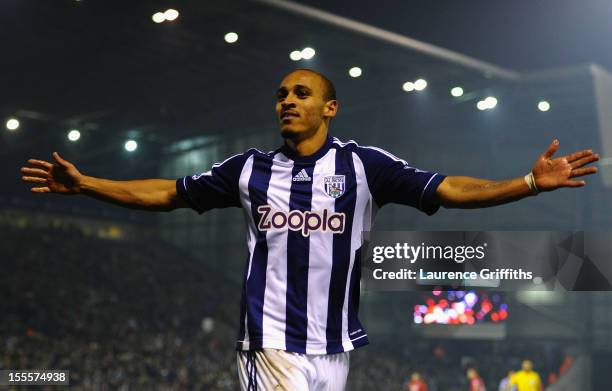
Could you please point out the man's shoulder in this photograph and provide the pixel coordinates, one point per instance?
(341, 144)
(368, 152)
(372, 157)
(351, 145)
(244, 156)
(255, 151)
(234, 163)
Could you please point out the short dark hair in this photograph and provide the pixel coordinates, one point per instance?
(330, 89)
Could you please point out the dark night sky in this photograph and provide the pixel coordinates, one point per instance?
(517, 34)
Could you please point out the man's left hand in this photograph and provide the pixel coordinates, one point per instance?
(551, 174)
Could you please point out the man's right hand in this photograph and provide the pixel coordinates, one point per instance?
(61, 177)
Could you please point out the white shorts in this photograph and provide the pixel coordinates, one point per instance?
(278, 370)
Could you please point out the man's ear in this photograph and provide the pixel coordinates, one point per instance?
(331, 108)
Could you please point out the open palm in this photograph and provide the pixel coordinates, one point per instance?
(62, 177)
(551, 174)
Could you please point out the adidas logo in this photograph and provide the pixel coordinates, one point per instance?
(302, 176)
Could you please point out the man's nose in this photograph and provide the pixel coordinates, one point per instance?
(287, 104)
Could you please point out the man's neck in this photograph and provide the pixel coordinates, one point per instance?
(309, 145)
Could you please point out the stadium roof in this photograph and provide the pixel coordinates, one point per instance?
(107, 69)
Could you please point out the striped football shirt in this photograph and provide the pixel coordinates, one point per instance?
(305, 219)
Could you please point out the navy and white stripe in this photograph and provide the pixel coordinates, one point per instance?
(306, 216)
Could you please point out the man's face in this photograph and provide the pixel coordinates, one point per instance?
(527, 365)
(300, 105)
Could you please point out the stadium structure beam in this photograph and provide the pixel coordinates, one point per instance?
(489, 70)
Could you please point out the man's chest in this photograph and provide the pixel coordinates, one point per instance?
(302, 187)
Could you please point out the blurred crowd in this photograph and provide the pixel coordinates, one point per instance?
(443, 365)
(134, 315)
(118, 315)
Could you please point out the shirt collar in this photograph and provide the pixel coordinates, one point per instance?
(291, 154)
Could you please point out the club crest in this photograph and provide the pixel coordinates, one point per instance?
(334, 185)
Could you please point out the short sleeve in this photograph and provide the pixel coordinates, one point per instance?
(216, 188)
(393, 180)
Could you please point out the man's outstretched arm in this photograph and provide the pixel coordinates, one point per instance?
(64, 178)
(548, 174)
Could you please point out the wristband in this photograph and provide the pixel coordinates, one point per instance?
(530, 180)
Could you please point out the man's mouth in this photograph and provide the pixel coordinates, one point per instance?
(288, 115)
